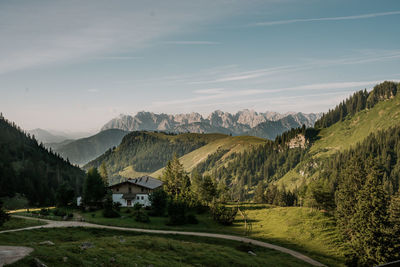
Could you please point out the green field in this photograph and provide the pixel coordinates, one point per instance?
(311, 232)
(116, 248)
(15, 223)
(302, 229)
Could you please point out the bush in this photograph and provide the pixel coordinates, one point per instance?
(191, 219)
(141, 216)
(201, 209)
(137, 206)
(59, 212)
(223, 215)
(158, 199)
(176, 212)
(44, 212)
(4, 216)
(110, 213)
(117, 206)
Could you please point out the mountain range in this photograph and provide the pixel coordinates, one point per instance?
(245, 122)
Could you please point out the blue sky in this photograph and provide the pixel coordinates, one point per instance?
(73, 65)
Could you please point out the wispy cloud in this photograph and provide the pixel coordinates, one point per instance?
(42, 33)
(225, 94)
(353, 17)
(245, 75)
(210, 91)
(118, 57)
(191, 42)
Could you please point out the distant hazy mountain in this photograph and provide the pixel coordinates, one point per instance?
(244, 122)
(53, 136)
(86, 149)
(46, 137)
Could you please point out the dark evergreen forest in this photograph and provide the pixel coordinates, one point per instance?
(28, 168)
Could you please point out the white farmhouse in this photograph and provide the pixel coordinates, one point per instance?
(135, 190)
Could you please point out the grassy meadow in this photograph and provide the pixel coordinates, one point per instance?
(302, 229)
(95, 247)
(16, 223)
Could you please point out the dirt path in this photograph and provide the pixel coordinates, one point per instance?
(56, 224)
(10, 254)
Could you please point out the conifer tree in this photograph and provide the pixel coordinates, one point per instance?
(371, 242)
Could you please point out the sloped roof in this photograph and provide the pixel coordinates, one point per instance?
(144, 181)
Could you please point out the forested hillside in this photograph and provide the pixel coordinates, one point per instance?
(146, 152)
(28, 168)
(83, 150)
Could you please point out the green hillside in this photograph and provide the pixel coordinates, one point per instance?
(29, 169)
(145, 152)
(229, 145)
(344, 135)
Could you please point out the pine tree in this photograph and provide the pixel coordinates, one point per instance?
(94, 188)
(176, 180)
(259, 195)
(371, 242)
(103, 173)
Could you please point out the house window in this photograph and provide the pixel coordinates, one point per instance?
(142, 197)
(117, 189)
(137, 198)
(130, 190)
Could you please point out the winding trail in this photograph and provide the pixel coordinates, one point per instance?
(59, 224)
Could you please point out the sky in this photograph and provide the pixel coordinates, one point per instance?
(74, 65)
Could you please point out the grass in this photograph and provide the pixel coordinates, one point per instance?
(302, 229)
(234, 144)
(116, 248)
(126, 220)
(15, 223)
(343, 135)
(129, 172)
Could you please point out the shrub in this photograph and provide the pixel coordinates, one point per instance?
(141, 216)
(4, 216)
(223, 215)
(137, 206)
(158, 201)
(59, 212)
(44, 212)
(191, 219)
(176, 212)
(117, 206)
(201, 209)
(110, 213)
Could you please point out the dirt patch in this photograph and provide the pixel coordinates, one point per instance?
(10, 254)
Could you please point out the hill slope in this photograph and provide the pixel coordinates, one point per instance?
(83, 150)
(30, 169)
(225, 146)
(344, 134)
(146, 152)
